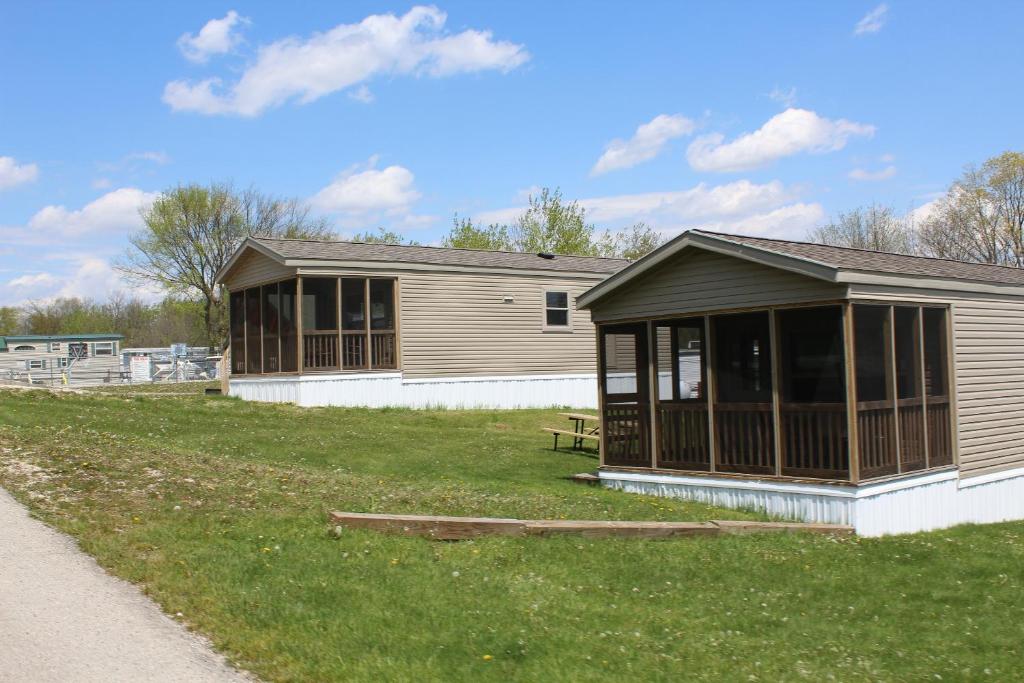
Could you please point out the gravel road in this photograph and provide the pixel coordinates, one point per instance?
(62, 618)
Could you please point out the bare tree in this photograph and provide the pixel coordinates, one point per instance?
(981, 216)
(873, 227)
(192, 230)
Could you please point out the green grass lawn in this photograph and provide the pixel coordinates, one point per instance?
(218, 509)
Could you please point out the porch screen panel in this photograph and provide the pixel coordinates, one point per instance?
(876, 422)
(253, 332)
(289, 330)
(744, 430)
(936, 382)
(354, 324)
(682, 417)
(271, 329)
(382, 324)
(320, 323)
(812, 374)
(625, 419)
(909, 400)
(237, 330)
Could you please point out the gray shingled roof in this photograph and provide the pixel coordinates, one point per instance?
(845, 258)
(393, 253)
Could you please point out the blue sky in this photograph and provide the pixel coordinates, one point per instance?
(748, 117)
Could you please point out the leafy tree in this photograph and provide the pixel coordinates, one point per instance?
(465, 235)
(981, 216)
(10, 320)
(632, 243)
(192, 230)
(553, 225)
(382, 236)
(873, 227)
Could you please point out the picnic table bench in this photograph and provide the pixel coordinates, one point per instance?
(580, 431)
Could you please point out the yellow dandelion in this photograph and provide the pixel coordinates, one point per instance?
(488, 658)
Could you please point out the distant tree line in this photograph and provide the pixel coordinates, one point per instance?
(143, 324)
(980, 218)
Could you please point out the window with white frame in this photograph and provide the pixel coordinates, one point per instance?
(63, 362)
(103, 349)
(54, 347)
(24, 347)
(556, 310)
(35, 364)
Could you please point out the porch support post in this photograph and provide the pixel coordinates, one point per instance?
(851, 393)
(923, 384)
(603, 432)
(341, 339)
(951, 384)
(894, 386)
(709, 391)
(773, 336)
(298, 323)
(652, 391)
(366, 320)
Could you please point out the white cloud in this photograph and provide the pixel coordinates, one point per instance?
(648, 141)
(306, 69)
(873, 21)
(785, 134)
(864, 174)
(12, 173)
(354, 191)
(158, 158)
(362, 94)
(741, 206)
(102, 183)
(85, 276)
(116, 211)
(787, 98)
(217, 36)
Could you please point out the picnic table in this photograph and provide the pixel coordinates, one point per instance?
(580, 431)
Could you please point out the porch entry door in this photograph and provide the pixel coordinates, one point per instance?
(625, 388)
(744, 428)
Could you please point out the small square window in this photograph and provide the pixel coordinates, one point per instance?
(63, 362)
(556, 310)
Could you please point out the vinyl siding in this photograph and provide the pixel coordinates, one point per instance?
(458, 325)
(699, 281)
(254, 268)
(988, 341)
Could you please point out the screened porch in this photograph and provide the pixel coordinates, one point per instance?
(843, 392)
(314, 324)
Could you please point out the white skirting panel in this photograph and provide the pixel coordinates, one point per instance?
(924, 502)
(379, 390)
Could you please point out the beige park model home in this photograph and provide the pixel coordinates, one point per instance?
(345, 323)
(828, 384)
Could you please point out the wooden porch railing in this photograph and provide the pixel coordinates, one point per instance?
(626, 439)
(353, 350)
(876, 436)
(320, 350)
(383, 350)
(940, 445)
(745, 438)
(911, 416)
(814, 440)
(684, 442)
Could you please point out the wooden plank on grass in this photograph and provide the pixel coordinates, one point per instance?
(462, 528)
(441, 528)
(604, 529)
(745, 527)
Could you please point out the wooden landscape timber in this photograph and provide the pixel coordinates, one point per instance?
(462, 528)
